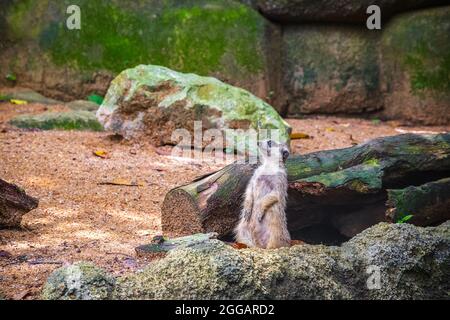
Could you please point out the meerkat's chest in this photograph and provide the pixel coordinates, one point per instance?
(266, 183)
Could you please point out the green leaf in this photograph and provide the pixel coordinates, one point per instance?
(95, 98)
(11, 77)
(4, 97)
(405, 218)
(376, 121)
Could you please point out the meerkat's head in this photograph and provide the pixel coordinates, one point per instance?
(273, 151)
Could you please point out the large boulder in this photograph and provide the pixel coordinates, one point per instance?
(416, 66)
(221, 38)
(287, 11)
(154, 101)
(386, 261)
(330, 69)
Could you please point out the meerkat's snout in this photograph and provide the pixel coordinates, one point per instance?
(285, 154)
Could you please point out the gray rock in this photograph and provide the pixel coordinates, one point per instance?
(32, 97)
(80, 281)
(153, 101)
(330, 69)
(413, 263)
(415, 64)
(66, 120)
(161, 245)
(221, 38)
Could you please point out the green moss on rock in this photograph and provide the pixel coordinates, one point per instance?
(80, 281)
(421, 43)
(193, 36)
(331, 69)
(70, 120)
(155, 100)
(416, 66)
(413, 262)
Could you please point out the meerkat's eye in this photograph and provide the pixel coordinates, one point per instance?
(269, 143)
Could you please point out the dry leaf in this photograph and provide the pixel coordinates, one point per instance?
(124, 182)
(330, 129)
(101, 153)
(16, 101)
(238, 245)
(299, 135)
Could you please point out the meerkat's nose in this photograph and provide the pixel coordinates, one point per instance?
(285, 154)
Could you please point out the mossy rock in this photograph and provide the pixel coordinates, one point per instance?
(83, 105)
(223, 38)
(80, 281)
(69, 120)
(416, 66)
(288, 11)
(412, 263)
(330, 69)
(31, 96)
(154, 101)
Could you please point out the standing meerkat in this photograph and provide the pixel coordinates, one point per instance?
(263, 220)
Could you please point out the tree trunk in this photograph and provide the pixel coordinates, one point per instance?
(14, 203)
(339, 191)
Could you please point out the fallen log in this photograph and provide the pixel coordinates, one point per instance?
(341, 191)
(14, 203)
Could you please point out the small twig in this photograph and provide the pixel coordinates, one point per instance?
(34, 262)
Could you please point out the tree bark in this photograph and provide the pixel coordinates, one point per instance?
(14, 203)
(343, 189)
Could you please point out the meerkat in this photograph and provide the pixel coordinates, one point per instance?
(262, 221)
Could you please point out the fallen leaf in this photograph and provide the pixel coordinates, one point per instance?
(95, 98)
(330, 129)
(123, 182)
(300, 135)
(101, 153)
(11, 77)
(238, 245)
(19, 102)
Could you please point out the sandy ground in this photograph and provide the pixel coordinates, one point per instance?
(79, 218)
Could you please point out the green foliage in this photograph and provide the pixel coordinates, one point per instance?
(95, 98)
(404, 218)
(376, 121)
(4, 97)
(11, 77)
